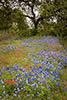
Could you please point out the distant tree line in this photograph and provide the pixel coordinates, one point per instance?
(14, 14)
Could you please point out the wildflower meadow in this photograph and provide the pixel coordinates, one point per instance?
(32, 69)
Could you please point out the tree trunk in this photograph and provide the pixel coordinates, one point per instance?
(36, 22)
(35, 25)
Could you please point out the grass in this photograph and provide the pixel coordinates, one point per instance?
(64, 43)
(29, 53)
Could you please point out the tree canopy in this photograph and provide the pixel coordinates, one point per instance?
(35, 10)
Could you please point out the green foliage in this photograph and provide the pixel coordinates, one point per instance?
(52, 32)
(57, 9)
(34, 31)
(5, 18)
(47, 10)
(19, 19)
(13, 20)
(24, 33)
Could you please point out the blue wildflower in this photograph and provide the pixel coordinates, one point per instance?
(37, 93)
(7, 96)
(48, 87)
(0, 97)
(7, 68)
(15, 95)
(2, 82)
(17, 79)
(4, 93)
(28, 96)
(21, 89)
(3, 86)
(34, 85)
(32, 95)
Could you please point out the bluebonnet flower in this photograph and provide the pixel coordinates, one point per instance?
(29, 90)
(40, 66)
(52, 93)
(48, 87)
(53, 78)
(17, 80)
(22, 84)
(3, 68)
(32, 70)
(63, 90)
(32, 60)
(0, 97)
(45, 83)
(21, 89)
(47, 68)
(25, 74)
(17, 85)
(22, 77)
(21, 69)
(35, 77)
(20, 80)
(15, 95)
(12, 68)
(18, 89)
(26, 81)
(37, 93)
(63, 85)
(52, 81)
(58, 84)
(7, 68)
(3, 86)
(52, 66)
(48, 98)
(40, 62)
(40, 77)
(57, 76)
(4, 93)
(16, 75)
(34, 85)
(32, 95)
(1, 72)
(37, 80)
(58, 79)
(27, 95)
(48, 77)
(62, 73)
(8, 71)
(7, 96)
(19, 74)
(32, 79)
(37, 87)
(40, 70)
(2, 82)
(52, 73)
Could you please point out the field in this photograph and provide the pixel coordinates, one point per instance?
(33, 69)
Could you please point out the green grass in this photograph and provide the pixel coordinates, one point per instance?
(64, 42)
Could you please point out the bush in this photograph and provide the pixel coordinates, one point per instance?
(52, 32)
(34, 32)
(5, 35)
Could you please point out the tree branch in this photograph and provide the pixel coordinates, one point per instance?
(28, 16)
